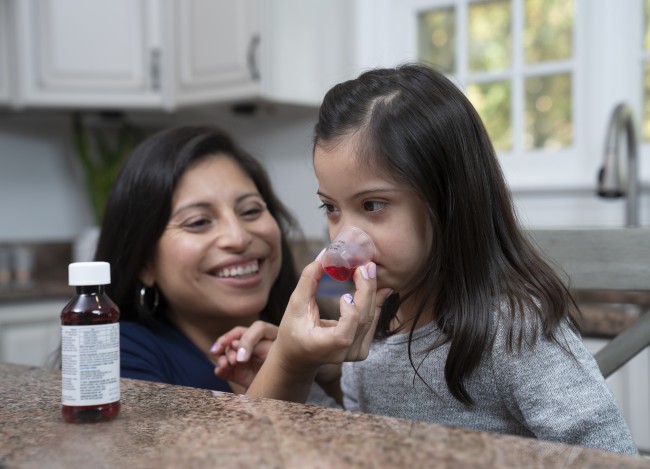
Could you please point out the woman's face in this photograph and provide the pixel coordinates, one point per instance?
(220, 252)
(394, 216)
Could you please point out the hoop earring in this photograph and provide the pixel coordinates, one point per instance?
(146, 305)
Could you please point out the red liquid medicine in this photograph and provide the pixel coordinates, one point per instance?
(339, 273)
(90, 348)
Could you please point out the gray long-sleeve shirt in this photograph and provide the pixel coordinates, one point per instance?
(540, 392)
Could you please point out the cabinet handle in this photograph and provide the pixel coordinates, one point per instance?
(154, 69)
(252, 57)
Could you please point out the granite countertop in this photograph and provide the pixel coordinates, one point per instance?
(172, 426)
(607, 313)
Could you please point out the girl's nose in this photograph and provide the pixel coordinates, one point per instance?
(233, 235)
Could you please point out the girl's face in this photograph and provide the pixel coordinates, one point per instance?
(394, 216)
(220, 253)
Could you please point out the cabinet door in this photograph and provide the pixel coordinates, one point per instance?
(30, 332)
(216, 44)
(307, 47)
(88, 52)
(5, 71)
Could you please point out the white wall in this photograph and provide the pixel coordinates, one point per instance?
(41, 188)
(42, 195)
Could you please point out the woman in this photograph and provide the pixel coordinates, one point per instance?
(197, 243)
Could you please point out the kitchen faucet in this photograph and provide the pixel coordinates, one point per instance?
(611, 182)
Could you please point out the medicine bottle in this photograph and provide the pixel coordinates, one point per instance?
(90, 347)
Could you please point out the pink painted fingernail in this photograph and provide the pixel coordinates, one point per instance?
(372, 270)
(214, 348)
(348, 299)
(241, 355)
(364, 272)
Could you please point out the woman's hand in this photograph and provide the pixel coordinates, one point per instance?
(241, 351)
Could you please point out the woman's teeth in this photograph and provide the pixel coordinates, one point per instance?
(240, 270)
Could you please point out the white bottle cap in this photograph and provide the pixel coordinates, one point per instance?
(89, 273)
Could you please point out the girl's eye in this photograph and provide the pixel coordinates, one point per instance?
(327, 208)
(374, 206)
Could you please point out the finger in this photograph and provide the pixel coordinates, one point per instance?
(222, 368)
(225, 340)
(261, 349)
(231, 355)
(258, 331)
(380, 298)
(366, 283)
(346, 327)
(305, 290)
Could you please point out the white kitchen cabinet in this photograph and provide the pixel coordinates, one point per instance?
(308, 46)
(165, 54)
(155, 54)
(30, 332)
(630, 385)
(6, 36)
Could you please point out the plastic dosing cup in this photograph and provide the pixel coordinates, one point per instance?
(351, 249)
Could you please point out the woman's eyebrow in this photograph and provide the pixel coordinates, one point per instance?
(201, 204)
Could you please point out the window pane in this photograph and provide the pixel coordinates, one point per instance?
(492, 101)
(437, 38)
(490, 41)
(548, 120)
(548, 32)
(646, 22)
(646, 76)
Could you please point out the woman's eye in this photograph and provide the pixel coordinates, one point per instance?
(197, 223)
(373, 206)
(252, 213)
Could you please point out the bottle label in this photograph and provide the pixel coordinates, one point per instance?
(90, 359)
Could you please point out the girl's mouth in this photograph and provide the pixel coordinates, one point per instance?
(239, 271)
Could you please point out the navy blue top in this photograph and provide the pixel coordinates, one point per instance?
(162, 353)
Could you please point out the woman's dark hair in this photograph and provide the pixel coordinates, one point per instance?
(140, 203)
(414, 124)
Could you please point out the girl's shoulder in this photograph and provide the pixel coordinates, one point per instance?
(523, 325)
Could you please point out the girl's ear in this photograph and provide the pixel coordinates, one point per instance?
(147, 277)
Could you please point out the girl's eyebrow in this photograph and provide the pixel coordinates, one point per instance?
(206, 205)
(364, 192)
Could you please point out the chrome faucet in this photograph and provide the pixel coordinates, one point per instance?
(611, 182)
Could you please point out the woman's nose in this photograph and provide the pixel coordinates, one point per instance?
(233, 235)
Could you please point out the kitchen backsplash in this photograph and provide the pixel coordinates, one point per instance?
(34, 270)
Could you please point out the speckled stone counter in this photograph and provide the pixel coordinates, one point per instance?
(172, 426)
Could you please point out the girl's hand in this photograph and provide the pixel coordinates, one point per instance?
(305, 341)
(241, 351)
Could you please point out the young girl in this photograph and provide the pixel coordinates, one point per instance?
(479, 332)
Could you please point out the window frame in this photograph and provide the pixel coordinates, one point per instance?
(607, 35)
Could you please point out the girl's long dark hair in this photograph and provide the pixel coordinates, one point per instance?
(416, 125)
(140, 203)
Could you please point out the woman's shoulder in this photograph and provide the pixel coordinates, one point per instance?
(155, 332)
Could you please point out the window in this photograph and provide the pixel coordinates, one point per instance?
(543, 74)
